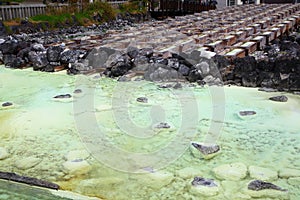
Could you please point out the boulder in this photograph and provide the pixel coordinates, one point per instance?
(265, 190)
(247, 113)
(9, 47)
(39, 60)
(263, 174)
(184, 70)
(162, 125)
(38, 47)
(206, 151)
(204, 68)
(63, 96)
(194, 75)
(132, 52)
(204, 187)
(9, 59)
(120, 66)
(233, 171)
(53, 53)
(160, 72)
(97, 58)
(204, 182)
(69, 56)
(142, 99)
(6, 104)
(281, 98)
(258, 185)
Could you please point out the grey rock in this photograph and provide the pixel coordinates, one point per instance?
(69, 56)
(247, 113)
(184, 70)
(264, 89)
(281, 98)
(204, 182)
(142, 99)
(38, 47)
(132, 52)
(162, 125)
(53, 53)
(63, 96)
(173, 63)
(77, 91)
(39, 60)
(203, 67)
(258, 185)
(194, 75)
(8, 59)
(97, 58)
(206, 150)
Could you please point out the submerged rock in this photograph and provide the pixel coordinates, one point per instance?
(63, 96)
(204, 187)
(162, 125)
(6, 104)
(204, 150)
(264, 89)
(247, 113)
(142, 99)
(203, 182)
(281, 98)
(77, 91)
(261, 185)
(233, 171)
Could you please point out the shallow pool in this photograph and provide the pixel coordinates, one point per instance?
(108, 142)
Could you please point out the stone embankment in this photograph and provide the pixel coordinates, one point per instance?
(212, 47)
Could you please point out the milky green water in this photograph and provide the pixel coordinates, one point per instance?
(44, 131)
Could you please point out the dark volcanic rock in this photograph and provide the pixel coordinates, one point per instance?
(264, 89)
(9, 47)
(39, 60)
(8, 59)
(160, 72)
(142, 100)
(162, 125)
(204, 182)
(53, 53)
(77, 91)
(247, 113)
(261, 185)
(63, 96)
(69, 56)
(48, 68)
(206, 150)
(132, 52)
(194, 75)
(281, 98)
(6, 104)
(184, 70)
